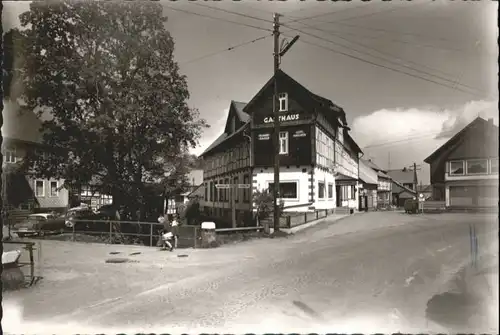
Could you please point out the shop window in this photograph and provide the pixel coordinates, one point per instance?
(330, 191)
(287, 190)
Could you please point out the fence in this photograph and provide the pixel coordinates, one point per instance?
(291, 220)
(30, 260)
(130, 232)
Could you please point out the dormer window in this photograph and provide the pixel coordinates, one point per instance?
(283, 101)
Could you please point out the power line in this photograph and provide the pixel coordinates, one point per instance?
(298, 19)
(452, 80)
(216, 18)
(415, 44)
(224, 50)
(387, 10)
(231, 12)
(391, 32)
(405, 140)
(376, 64)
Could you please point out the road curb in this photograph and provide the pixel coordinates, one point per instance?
(314, 223)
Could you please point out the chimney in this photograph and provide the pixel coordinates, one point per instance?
(490, 120)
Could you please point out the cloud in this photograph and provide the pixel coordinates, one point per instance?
(390, 126)
(396, 138)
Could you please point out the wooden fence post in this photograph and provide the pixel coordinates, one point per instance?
(150, 234)
(73, 230)
(289, 221)
(317, 215)
(305, 217)
(110, 232)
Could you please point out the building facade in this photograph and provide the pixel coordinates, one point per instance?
(369, 184)
(318, 157)
(464, 170)
(227, 161)
(21, 135)
(384, 185)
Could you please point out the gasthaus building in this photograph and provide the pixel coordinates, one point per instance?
(318, 158)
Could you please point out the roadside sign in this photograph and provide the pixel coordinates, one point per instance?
(243, 185)
(222, 186)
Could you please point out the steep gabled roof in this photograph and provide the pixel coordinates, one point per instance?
(238, 107)
(456, 139)
(320, 100)
(223, 138)
(401, 175)
(372, 165)
(20, 124)
(403, 188)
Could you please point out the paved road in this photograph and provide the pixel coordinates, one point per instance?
(372, 272)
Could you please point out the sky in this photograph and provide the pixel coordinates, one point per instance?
(352, 53)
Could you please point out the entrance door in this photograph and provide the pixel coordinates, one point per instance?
(338, 196)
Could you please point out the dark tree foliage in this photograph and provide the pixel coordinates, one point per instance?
(106, 74)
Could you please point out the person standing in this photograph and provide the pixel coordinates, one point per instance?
(175, 230)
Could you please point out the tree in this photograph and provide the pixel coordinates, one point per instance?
(119, 115)
(264, 201)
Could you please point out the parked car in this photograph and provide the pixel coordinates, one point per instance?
(109, 212)
(79, 213)
(411, 206)
(40, 224)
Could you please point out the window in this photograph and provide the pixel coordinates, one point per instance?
(216, 192)
(283, 143)
(288, 190)
(236, 189)
(457, 168)
(494, 165)
(246, 191)
(340, 135)
(330, 191)
(10, 156)
(321, 190)
(54, 192)
(345, 195)
(39, 188)
(353, 192)
(226, 190)
(477, 166)
(212, 187)
(206, 191)
(283, 101)
(221, 191)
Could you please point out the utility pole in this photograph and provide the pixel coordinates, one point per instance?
(276, 56)
(415, 168)
(278, 53)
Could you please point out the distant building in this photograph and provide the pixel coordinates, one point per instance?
(318, 156)
(384, 185)
(400, 193)
(404, 176)
(369, 184)
(464, 170)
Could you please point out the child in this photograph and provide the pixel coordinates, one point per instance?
(175, 231)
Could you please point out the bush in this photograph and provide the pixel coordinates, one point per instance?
(264, 201)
